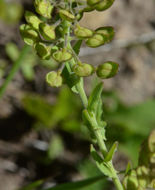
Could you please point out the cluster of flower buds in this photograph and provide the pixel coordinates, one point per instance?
(46, 31)
(144, 175)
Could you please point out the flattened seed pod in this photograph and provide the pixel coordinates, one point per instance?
(82, 32)
(44, 8)
(107, 70)
(103, 5)
(89, 8)
(95, 41)
(62, 55)
(66, 15)
(47, 31)
(32, 19)
(107, 31)
(29, 34)
(42, 50)
(54, 79)
(83, 69)
(93, 2)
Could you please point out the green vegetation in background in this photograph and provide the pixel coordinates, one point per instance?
(129, 124)
(51, 115)
(10, 12)
(27, 67)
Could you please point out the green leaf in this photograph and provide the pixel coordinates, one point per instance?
(138, 119)
(77, 46)
(88, 169)
(39, 108)
(77, 185)
(111, 152)
(56, 147)
(95, 98)
(95, 155)
(33, 185)
(102, 166)
(71, 79)
(49, 115)
(128, 168)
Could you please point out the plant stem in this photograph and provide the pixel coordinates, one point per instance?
(14, 69)
(82, 93)
(101, 144)
(92, 119)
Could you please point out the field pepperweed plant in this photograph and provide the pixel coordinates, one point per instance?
(54, 31)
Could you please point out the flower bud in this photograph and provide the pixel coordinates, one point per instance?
(82, 32)
(83, 69)
(47, 31)
(42, 50)
(29, 35)
(107, 70)
(103, 5)
(44, 8)
(32, 19)
(62, 55)
(54, 79)
(95, 41)
(92, 2)
(107, 32)
(66, 15)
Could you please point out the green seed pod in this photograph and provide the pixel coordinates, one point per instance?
(83, 69)
(32, 19)
(28, 34)
(54, 49)
(151, 141)
(79, 16)
(62, 55)
(89, 8)
(81, 2)
(47, 31)
(130, 182)
(66, 15)
(93, 2)
(103, 5)
(107, 70)
(107, 32)
(152, 158)
(82, 32)
(54, 79)
(44, 8)
(142, 171)
(143, 176)
(42, 50)
(95, 41)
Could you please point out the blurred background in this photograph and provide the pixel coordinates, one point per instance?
(41, 130)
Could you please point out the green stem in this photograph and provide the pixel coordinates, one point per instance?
(102, 147)
(14, 69)
(93, 121)
(94, 125)
(82, 93)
